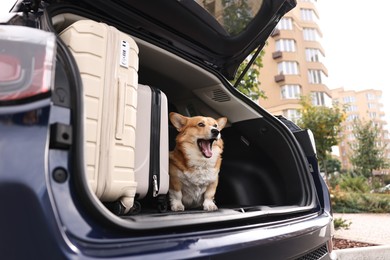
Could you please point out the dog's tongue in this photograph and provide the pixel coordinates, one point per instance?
(206, 148)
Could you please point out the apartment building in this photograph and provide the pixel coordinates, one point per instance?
(365, 105)
(293, 63)
(293, 67)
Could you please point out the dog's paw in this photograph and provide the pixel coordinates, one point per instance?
(177, 205)
(209, 205)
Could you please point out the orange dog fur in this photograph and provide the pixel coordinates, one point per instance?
(195, 162)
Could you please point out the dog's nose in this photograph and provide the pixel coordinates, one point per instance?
(215, 132)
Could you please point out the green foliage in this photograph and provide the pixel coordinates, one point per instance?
(332, 164)
(325, 123)
(386, 179)
(352, 202)
(340, 223)
(367, 151)
(353, 183)
(350, 194)
(376, 182)
(249, 84)
(236, 16)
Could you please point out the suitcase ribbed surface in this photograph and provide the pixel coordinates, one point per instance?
(108, 63)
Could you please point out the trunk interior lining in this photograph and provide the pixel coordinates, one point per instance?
(252, 178)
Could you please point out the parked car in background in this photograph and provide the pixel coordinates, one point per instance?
(383, 189)
(273, 203)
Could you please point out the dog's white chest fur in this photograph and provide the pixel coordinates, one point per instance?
(194, 184)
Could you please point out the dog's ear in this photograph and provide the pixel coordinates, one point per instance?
(221, 122)
(178, 120)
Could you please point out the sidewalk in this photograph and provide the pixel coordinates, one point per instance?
(369, 228)
(364, 253)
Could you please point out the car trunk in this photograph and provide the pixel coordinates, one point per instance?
(264, 173)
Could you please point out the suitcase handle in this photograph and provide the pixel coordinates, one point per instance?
(155, 185)
(121, 96)
(155, 140)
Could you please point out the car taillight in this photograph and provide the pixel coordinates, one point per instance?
(27, 60)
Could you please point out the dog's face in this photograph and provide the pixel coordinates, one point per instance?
(199, 131)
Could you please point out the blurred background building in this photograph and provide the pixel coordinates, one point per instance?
(365, 105)
(293, 67)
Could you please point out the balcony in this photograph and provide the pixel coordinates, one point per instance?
(279, 78)
(275, 32)
(277, 55)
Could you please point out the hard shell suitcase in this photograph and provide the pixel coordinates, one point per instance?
(152, 153)
(108, 63)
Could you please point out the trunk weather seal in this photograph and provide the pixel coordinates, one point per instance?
(94, 206)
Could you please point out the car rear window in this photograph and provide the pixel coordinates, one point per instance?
(233, 15)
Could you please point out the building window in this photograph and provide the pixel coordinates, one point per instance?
(310, 34)
(285, 24)
(320, 99)
(308, 15)
(287, 45)
(290, 91)
(292, 114)
(370, 96)
(352, 117)
(313, 55)
(372, 114)
(353, 145)
(316, 77)
(288, 68)
(349, 99)
(351, 108)
(371, 105)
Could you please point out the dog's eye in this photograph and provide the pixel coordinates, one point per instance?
(201, 124)
(215, 125)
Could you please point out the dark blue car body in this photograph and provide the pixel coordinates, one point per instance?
(47, 212)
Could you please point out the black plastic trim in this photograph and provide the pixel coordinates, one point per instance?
(155, 125)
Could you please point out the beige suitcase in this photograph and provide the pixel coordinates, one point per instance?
(108, 63)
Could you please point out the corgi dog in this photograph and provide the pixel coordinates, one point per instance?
(195, 162)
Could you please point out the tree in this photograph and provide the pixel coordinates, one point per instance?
(332, 165)
(368, 150)
(325, 123)
(236, 16)
(249, 84)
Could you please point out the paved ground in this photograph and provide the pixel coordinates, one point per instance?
(370, 228)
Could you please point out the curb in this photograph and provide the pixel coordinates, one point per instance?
(364, 253)
(365, 241)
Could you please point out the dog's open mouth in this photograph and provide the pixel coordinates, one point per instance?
(205, 146)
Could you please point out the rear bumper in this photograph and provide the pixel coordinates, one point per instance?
(30, 229)
(42, 219)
